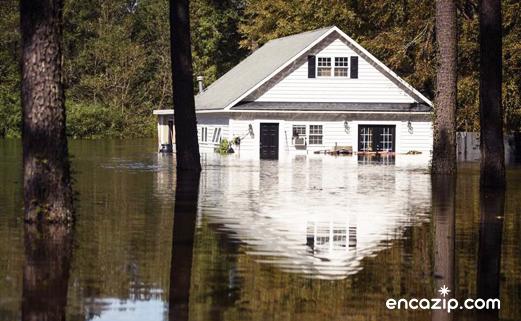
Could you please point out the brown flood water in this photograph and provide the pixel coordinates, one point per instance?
(308, 238)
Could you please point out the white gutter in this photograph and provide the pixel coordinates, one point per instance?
(232, 111)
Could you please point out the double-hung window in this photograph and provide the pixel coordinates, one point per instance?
(204, 134)
(216, 135)
(315, 134)
(299, 131)
(324, 67)
(341, 65)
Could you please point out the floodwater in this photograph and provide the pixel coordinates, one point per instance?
(307, 238)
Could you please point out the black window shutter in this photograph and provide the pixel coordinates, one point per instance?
(311, 66)
(354, 67)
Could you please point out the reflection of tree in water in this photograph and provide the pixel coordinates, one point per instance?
(48, 252)
(185, 214)
(443, 216)
(492, 205)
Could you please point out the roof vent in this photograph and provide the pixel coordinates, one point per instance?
(200, 80)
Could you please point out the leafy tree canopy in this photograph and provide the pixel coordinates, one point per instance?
(117, 65)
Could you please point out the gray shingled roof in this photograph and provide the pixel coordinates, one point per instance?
(252, 70)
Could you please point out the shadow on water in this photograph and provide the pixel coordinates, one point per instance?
(492, 205)
(443, 216)
(48, 251)
(185, 214)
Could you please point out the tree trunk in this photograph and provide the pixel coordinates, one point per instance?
(185, 214)
(444, 148)
(48, 251)
(187, 147)
(491, 114)
(444, 218)
(47, 187)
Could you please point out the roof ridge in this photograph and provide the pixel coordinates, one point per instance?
(301, 33)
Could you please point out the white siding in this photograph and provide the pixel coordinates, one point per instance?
(419, 139)
(211, 123)
(249, 143)
(334, 133)
(370, 87)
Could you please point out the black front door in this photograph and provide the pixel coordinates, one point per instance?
(376, 138)
(269, 141)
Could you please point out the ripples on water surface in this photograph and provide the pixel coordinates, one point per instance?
(310, 238)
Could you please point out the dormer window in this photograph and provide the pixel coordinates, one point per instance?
(341, 65)
(324, 66)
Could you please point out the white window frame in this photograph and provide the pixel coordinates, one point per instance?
(204, 134)
(333, 66)
(341, 67)
(309, 134)
(216, 137)
(300, 126)
(330, 67)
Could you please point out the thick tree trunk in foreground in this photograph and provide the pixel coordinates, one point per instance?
(444, 218)
(48, 250)
(185, 214)
(187, 147)
(491, 114)
(47, 188)
(492, 207)
(444, 148)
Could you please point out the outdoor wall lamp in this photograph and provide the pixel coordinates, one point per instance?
(409, 127)
(346, 127)
(250, 130)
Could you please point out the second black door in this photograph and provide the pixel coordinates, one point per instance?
(269, 141)
(376, 138)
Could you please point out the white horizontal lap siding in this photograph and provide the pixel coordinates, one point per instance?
(419, 139)
(240, 128)
(211, 123)
(333, 133)
(371, 85)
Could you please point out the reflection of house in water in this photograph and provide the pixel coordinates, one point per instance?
(376, 159)
(316, 216)
(331, 240)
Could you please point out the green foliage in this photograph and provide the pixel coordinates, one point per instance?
(402, 35)
(117, 53)
(117, 61)
(10, 113)
(93, 121)
(224, 147)
(96, 121)
(215, 37)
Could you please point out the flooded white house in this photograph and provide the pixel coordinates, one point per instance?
(314, 91)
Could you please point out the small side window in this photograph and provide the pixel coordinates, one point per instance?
(204, 134)
(216, 135)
